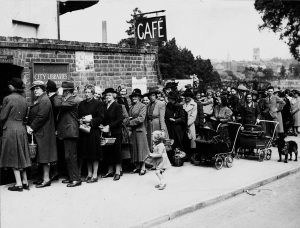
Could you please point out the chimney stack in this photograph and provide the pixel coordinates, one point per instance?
(104, 32)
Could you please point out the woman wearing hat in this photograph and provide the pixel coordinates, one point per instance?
(112, 127)
(138, 138)
(155, 115)
(176, 121)
(91, 113)
(41, 125)
(14, 144)
(190, 106)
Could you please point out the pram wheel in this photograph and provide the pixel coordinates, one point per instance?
(218, 162)
(268, 154)
(261, 155)
(238, 153)
(229, 161)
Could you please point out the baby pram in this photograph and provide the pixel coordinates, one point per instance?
(212, 149)
(256, 140)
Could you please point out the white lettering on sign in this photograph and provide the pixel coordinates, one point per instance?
(156, 28)
(160, 28)
(138, 32)
(54, 76)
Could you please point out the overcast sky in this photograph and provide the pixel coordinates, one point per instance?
(215, 29)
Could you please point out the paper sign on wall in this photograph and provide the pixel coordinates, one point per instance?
(139, 84)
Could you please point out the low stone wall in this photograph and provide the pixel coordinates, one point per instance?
(106, 65)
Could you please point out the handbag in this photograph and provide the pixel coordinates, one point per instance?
(85, 128)
(32, 148)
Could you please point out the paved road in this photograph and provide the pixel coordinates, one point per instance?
(274, 205)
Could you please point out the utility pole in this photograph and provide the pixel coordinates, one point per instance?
(58, 22)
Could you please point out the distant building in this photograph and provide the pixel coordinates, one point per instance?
(256, 54)
(36, 18)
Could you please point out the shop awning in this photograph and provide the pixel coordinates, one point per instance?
(66, 6)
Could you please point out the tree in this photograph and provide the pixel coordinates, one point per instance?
(283, 17)
(172, 60)
(204, 70)
(282, 72)
(130, 41)
(269, 73)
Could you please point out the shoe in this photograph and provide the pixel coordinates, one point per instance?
(279, 160)
(142, 172)
(44, 184)
(92, 180)
(157, 186)
(54, 177)
(26, 186)
(136, 170)
(108, 175)
(16, 188)
(66, 181)
(87, 179)
(162, 187)
(117, 177)
(74, 183)
(37, 182)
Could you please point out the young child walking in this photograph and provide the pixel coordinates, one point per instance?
(158, 158)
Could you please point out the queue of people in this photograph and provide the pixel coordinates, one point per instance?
(64, 123)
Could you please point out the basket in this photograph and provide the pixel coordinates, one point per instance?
(106, 141)
(179, 157)
(178, 161)
(32, 148)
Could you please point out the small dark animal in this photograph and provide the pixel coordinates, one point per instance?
(287, 148)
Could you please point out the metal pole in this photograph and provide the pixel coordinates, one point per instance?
(58, 23)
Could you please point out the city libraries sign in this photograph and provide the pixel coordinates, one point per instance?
(150, 30)
(48, 71)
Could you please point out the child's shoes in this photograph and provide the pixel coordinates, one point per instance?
(161, 186)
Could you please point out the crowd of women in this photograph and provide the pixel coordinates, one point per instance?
(67, 129)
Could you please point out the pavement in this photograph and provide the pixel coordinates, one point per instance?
(133, 201)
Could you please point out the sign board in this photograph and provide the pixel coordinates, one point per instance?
(6, 59)
(56, 72)
(149, 30)
(287, 84)
(84, 61)
(140, 84)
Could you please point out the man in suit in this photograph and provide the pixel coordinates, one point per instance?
(68, 130)
(273, 108)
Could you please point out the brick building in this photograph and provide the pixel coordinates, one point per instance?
(106, 65)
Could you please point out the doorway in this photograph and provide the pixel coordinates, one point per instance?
(7, 71)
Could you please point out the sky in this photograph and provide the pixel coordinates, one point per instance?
(214, 29)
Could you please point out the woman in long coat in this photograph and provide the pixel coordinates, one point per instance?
(14, 144)
(176, 122)
(41, 124)
(155, 116)
(138, 138)
(295, 110)
(190, 106)
(91, 112)
(112, 127)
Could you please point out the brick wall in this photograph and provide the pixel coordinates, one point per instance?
(113, 65)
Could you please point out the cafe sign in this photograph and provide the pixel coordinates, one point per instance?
(149, 30)
(48, 71)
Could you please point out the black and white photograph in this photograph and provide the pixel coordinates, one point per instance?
(149, 113)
